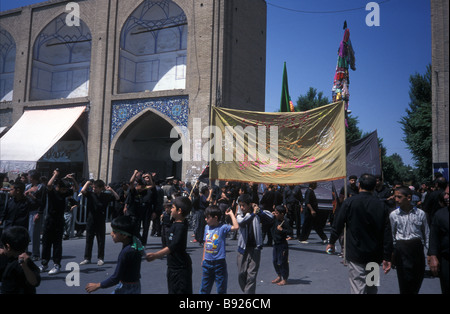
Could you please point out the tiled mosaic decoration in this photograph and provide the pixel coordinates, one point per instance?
(175, 108)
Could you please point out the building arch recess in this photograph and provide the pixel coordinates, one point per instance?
(61, 61)
(7, 64)
(153, 48)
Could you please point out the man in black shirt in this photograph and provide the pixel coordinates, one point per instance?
(18, 207)
(368, 237)
(314, 217)
(438, 252)
(53, 228)
(293, 199)
(97, 202)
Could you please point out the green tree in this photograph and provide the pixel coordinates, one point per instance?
(416, 125)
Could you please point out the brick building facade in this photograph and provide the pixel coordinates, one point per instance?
(139, 67)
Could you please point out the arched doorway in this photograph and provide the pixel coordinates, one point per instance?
(144, 143)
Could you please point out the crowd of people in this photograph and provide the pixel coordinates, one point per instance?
(398, 226)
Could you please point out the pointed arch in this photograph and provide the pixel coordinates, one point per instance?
(61, 61)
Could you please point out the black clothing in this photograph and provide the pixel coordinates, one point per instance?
(280, 236)
(17, 211)
(13, 278)
(179, 280)
(382, 194)
(270, 199)
(317, 222)
(431, 204)
(97, 205)
(439, 245)
(293, 199)
(128, 268)
(409, 259)
(177, 242)
(351, 191)
(56, 207)
(369, 235)
(179, 263)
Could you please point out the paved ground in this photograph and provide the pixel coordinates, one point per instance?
(312, 271)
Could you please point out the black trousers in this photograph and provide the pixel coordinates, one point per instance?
(443, 276)
(294, 216)
(52, 237)
(179, 280)
(409, 259)
(95, 228)
(317, 222)
(280, 259)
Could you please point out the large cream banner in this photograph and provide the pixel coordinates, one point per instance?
(280, 148)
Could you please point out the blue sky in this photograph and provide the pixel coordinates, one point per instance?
(386, 56)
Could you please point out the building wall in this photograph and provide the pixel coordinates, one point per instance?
(440, 79)
(225, 66)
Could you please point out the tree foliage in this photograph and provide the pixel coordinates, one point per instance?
(416, 125)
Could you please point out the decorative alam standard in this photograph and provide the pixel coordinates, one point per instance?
(346, 59)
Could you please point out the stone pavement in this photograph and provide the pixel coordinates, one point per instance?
(312, 270)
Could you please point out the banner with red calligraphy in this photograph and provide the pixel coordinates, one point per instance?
(279, 148)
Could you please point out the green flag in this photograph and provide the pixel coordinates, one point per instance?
(286, 102)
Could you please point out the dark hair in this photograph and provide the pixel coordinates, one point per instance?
(367, 182)
(17, 237)
(281, 209)
(183, 203)
(204, 189)
(245, 198)
(441, 182)
(99, 184)
(19, 185)
(125, 223)
(213, 211)
(404, 190)
(62, 184)
(352, 177)
(140, 182)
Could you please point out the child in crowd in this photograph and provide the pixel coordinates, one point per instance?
(214, 265)
(281, 229)
(250, 242)
(18, 273)
(179, 263)
(166, 222)
(128, 270)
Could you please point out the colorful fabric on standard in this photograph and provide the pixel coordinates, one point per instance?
(281, 148)
(346, 59)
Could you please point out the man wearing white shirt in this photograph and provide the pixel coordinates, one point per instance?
(410, 233)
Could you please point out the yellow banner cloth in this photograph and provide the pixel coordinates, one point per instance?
(279, 148)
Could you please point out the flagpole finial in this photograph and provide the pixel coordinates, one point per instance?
(345, 24)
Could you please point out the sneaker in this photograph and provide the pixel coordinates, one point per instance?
(43, 268)
(54, 270)
(100, 262)
(86, 261)
(304, 242)
(325, 241)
